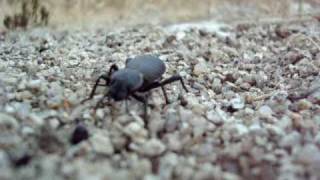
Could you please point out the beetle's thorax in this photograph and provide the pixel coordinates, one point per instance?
(123, 82)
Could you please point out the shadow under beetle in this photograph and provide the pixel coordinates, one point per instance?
(141, 74)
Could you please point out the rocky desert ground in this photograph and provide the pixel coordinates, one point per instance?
(252, 110)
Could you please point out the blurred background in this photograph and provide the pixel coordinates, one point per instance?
(131, 12)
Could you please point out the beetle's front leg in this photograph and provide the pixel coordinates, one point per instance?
(95, 87)
(101, 101)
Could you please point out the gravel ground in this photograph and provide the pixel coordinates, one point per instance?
(252, 110)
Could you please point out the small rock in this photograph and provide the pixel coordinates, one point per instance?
(101, 143)
(26, 131)
(37, 120)
(8, 122)
(304, 104)
(274, 130)
(293, 57)
(79, 134)
(217, 85)
(34, 84)
(49, 141)
(265, 111)
(284, 123)
(255, 128)
(199, 126)
(151, 177)
(172, 122)
(136, 132)
(173, 142)
(156, 124)
(214, 117)
(308, 154)
(240, 129)
(315, 97)
(291, 140)
(180, 35)
(4, 160)
(237, 103)
(6, 172)
(153, 147)
(200, 68)
(185, 114)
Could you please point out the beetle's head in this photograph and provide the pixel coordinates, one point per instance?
(123, 82)
(118, 90)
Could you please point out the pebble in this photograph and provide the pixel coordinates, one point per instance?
(26, 131)
(265, 111)
(172, 122)
(291, 140)
(180, 35)
(151, 177)
(200, 68)
(308, 154)
(255, 128)
(8, 122)
(217, 85)
(80, 133)
(101, 143)
(36, 119)
(6, 172)
(136, 132)
(240, 129)
(304, 104)
(214, 117)
(152, 147)
(35, 84)
(237, 103)
(173, 142)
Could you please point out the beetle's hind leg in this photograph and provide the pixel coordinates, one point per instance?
(163, 83)
(173, 79)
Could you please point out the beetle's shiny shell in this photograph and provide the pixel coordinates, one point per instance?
(130, 77)
(151, 67)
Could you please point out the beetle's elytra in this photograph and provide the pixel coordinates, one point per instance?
(141, 74)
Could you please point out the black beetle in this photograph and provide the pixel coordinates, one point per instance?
(141, 74)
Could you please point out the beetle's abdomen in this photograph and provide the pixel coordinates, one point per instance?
(151, 67)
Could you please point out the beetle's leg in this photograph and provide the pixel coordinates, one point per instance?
(127, 108)
(141, 99)
(164, 82)
(95, 87)
(144, 100)
(165, 95)
(112, 69)
(100, 102)
(172, 79)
